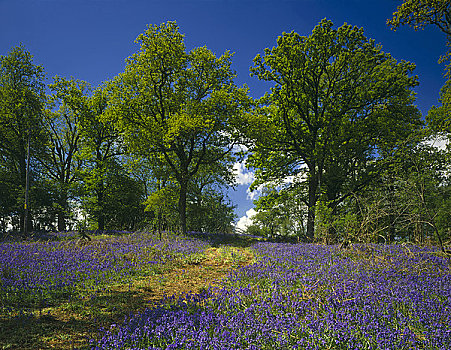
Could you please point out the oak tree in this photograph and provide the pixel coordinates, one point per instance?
(180, 104)
(62, 161)
(338, 104)
(419, 13)
(21, 104)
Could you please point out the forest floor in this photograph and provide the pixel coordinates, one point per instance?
(68, 324)
(133, 290)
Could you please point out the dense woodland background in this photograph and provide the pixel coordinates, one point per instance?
(338, 147)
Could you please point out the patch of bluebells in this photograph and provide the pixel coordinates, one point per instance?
(49, 269)
(307, 297)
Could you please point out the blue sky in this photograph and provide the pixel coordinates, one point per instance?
(90, 40)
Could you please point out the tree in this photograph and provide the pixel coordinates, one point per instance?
(339, 102)
(67, 106)
(213, 214)
(439, 118)
(10, 190)
(163, 204)
(21, 104)
(410, 201)
(208, 207)
(180, 105)
(123, 197)
(101, 145)
(280, 211)
(419, 13)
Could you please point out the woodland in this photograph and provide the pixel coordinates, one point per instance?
(338, 148)
(349, 248)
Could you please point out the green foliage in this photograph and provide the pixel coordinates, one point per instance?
(181, 106)
(100, 149)
(431, 211)
(339, 102)
(281, 212)
(208, 210)
(163, 204)
(439, 118)
(410, 201)
(212, 212)
(21, 102)
(62, 161)
(155, 145)
(419, 13)
(122, 204)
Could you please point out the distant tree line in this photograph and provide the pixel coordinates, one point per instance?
(339, 150)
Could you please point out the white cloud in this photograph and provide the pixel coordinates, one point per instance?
(242, 176)
(257, 192)
(245, 221)
(240, 148)
(252, 195)
(439, 142)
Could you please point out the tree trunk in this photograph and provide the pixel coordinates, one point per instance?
(101, 222)
(182, 206)
(62, 212)
(159, 223)
(391, 216)
(312, 189)
(27, 219)
(332, 196)
(100, 213)
(22, 179)
(61, 220)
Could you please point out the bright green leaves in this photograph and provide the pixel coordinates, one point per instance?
(21, 102)
(21, 99)
(330, 103)
(171, 94)
(163, 200)
(418, 13)
(181, 106)
(162, 53)
(439, 118)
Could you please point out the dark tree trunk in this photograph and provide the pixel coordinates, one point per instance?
(332, 239)
(61, 220)
(62, 212)
(100, 213)
(391, 217)
(22, 179)
(159, 224)
(312, 189)
(332, 196)
(182, 206)
(101, 222)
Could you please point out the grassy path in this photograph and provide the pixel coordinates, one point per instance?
(68, 323)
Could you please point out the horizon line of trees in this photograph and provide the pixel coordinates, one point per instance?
(155, 146)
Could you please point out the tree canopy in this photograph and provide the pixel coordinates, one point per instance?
(178, 104)
(337, 145)
(419, 13)
(21, 104)
(339, 103)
